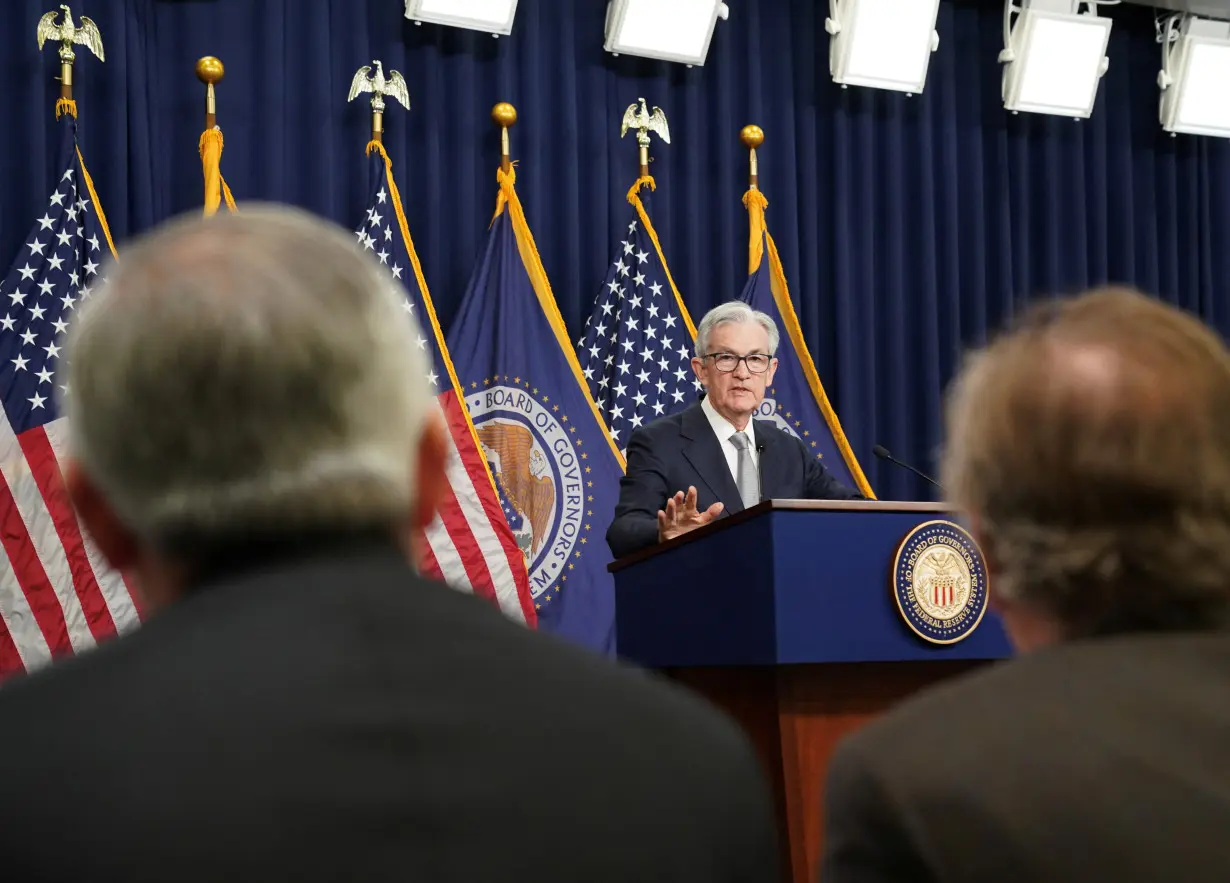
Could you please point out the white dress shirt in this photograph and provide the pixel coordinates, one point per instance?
(724, 429)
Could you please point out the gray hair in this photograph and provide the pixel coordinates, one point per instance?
(735, 311)
(252, 372)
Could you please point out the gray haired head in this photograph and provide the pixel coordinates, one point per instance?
(244, 373)
(735, 311)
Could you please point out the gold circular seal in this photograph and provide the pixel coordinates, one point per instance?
(940, 582)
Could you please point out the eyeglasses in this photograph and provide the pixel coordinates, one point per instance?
(757, 363)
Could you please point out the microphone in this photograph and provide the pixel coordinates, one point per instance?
(882, 452)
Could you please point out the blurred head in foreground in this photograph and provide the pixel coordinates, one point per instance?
(1090, 450)
(244, 381)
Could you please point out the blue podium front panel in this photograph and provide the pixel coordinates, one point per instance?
(785, 586)
(832, 585)
(707, 602)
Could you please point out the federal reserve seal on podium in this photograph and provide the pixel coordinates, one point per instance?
(940, 582)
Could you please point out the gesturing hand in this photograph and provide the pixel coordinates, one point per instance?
(680, 515)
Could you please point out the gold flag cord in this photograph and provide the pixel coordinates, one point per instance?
(216, 188)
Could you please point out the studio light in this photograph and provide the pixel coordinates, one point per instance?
(672, 30)
(1054, 56)
(1194, 76)
(884, 44)
(492, 16)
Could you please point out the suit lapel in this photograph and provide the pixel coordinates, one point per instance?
(771, 466)
(703, 450)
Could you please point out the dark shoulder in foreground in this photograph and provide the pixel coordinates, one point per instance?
(404, 620)
(1047, 703)
(1098, 760)
(346, 681)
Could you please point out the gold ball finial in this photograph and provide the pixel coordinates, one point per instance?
(209, 70)
(751, 136)
(504, 114)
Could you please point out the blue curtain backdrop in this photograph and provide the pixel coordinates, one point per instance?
(908, 227)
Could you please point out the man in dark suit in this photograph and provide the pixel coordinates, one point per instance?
(255, 444)
(1090, 451)
(712, 458)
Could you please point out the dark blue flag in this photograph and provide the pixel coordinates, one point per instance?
(796, 402)
(637, 350)
(556, 469)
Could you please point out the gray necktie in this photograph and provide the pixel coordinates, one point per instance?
(745, 471)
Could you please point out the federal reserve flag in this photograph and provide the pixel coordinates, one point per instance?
(469, 545)
(57, 595)
(556, 468)
(637, 350)
(796, 402)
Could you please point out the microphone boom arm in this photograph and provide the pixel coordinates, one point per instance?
(882, 453)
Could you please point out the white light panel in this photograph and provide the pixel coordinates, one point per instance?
(1057, 62)
(672, 30)
(491, 16)
(1195, 102)
(884, 44)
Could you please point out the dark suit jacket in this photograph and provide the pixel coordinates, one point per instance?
(337, 718)
(1102, 760)
(681, 450)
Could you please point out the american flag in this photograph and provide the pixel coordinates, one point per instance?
(469, 545)
(637, 348)
(57, 596)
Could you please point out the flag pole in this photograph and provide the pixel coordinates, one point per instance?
(209, 71)
(66, 72)
(642, 150)
(752, 137)
(377, 120)
(504, 115)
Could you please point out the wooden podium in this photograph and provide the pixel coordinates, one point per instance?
(783, 615)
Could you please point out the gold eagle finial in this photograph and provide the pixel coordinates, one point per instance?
(645, 122)
(68, 33)
(393, 86)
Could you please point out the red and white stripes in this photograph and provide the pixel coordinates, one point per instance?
(465, 545)
(57, 596)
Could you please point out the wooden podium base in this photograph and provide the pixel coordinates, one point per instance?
(795, 715)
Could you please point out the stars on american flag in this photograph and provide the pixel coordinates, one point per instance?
(56, 269)
(637, 350)
(380, 234)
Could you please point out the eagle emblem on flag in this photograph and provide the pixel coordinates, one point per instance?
(521, 474)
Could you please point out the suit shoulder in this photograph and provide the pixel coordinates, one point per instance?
(667, 424)
(771, 428)
(944, 705)
(1005, 707)
(775, 432)
(658, 430)
(560, 679)
(623, 692)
